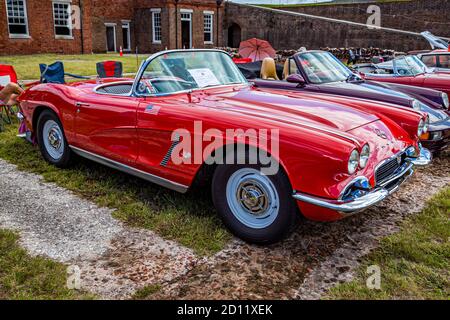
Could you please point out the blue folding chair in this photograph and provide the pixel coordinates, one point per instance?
(54, 73)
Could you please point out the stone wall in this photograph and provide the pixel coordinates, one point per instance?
(286, 31)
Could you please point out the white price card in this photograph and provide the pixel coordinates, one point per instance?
(204, 77)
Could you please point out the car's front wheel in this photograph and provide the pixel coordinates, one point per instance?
(52, 141)
(255, 207)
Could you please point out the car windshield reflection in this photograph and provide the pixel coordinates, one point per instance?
(323, 67)
(179, 71)
(410, 66)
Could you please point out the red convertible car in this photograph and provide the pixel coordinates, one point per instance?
(409, 70)
(190, 115)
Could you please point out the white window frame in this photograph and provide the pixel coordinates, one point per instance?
(156, 11)
(69, 8)
(18, 35)
(211, 31)
(126, 25)
(188, 17)
(114, 26)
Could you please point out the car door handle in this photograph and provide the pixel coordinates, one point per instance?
(82, 104)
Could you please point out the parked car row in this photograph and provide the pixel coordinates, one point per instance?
(322, 142)
(321, 73)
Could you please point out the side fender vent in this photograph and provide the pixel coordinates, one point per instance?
(168, 155)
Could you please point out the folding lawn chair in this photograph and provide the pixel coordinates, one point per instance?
(7, 75)
(54, 73)
(110, 69)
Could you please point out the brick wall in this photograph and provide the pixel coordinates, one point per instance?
(97, 13)
(171, 21)
(289, 32)
(41, 31)
(111, 12)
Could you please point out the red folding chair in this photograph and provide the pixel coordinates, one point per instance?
(110, 69)
(7, 75)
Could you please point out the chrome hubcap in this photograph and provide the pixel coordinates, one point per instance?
(252, 198)
(53, 139)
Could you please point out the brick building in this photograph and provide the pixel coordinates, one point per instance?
(45, 26)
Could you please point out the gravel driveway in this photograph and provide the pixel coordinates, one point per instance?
(116, 260)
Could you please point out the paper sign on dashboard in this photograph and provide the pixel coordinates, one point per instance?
(204, 77)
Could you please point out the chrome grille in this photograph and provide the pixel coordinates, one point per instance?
(389, 168)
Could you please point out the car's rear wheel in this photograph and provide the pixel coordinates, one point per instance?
(52, 141)
(255, 207)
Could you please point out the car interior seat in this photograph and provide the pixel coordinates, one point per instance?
(110, 69)
(269, 69)
(289, 68)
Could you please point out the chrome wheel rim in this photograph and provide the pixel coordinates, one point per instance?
(252, 198)
(53, 139)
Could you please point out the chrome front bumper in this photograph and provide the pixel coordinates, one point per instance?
(373, 197)
(424, 158)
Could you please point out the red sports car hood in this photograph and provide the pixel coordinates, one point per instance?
(293, 110)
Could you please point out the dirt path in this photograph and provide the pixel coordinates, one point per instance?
(116, 260)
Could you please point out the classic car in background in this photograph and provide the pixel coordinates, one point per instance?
(322, 73)
(408, 70)
(333, 160)
(438, 60)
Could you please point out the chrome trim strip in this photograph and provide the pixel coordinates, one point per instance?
(130, 170)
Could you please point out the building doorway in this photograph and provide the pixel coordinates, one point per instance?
(126, 36)
(186, 29)
(111, 38)
(234, 35)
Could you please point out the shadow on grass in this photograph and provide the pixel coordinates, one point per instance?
(189, 219)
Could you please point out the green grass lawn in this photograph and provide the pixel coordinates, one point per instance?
(26, 277)
(27, 66)
(415, 262)
(189, 219)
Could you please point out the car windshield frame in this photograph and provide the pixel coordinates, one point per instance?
(214, 80)
(415, 65)
(342, 72)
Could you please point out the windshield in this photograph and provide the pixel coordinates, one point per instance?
(410, 66)
(323, 67)
(178, 71)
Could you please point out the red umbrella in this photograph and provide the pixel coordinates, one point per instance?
(256, 49)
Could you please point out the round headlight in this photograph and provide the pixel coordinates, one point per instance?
(364, 158)
(353, 162)
(445, 100)
(416, 105)
(420, 129)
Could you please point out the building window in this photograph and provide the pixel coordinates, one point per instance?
(62, 19)
(208, 23)
(17, 18)
(156, 25)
